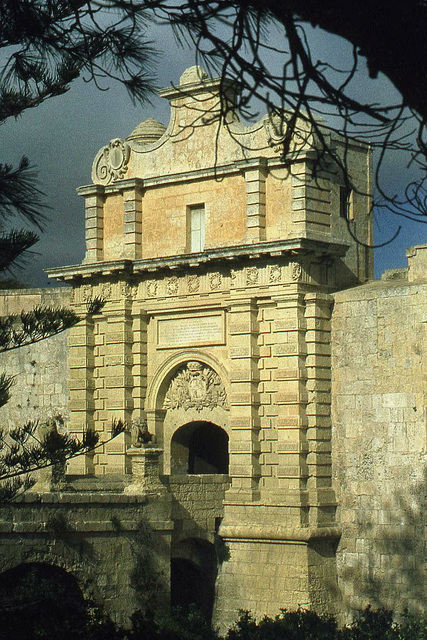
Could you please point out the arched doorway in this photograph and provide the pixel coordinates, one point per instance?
(199, 448)
(40, 600)
(193, 575)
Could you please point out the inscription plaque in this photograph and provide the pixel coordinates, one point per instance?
(190, 331)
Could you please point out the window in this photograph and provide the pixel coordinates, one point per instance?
(346, 203)
(197, 228)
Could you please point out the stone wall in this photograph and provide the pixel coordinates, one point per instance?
(379, 441)
(108, 541)
(40, 388)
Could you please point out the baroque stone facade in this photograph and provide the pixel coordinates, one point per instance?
(218, 262)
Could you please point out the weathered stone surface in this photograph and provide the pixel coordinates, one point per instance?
(231, 343)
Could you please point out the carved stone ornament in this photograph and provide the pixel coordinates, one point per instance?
(195, 386)
(275, 125)
(111, 162)
(87, 293)
(296, 271)
(106, 291)
(251, 275)
(214, 281)
(275, 273)
(139, 433)
(193, 283)
(126, 290)
(152, 289)
(172, 285)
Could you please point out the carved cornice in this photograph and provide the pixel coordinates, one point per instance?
(285, 248)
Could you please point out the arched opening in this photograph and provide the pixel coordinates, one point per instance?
(193, 574)
(40, 600)
(199, 447)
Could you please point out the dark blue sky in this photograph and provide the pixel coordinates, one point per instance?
(62, 136)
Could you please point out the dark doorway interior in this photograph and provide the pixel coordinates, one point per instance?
(193, 577)
(199, 447)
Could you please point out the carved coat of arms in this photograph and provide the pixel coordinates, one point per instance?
(195, 386)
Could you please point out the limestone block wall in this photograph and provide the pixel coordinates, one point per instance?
(197, 504)
(40, 388)
(115, 545)
(379, 442)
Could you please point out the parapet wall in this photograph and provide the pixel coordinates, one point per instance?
(379, 441)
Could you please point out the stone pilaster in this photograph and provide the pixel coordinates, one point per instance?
(244, 401)
(132, 226)
(311, 202)
(289, 349)
(139, 361)
(94, 222)
(81, 365)
(255, 202)
(318, 365)
(118, 380)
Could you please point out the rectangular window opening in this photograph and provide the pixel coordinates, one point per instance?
(196, 218)
(346, 203)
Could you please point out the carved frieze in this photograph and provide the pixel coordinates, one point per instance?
(233, 277)
(195, 386)
(152, 289)
(193, 283)
(275, 273)
(106, 291)
(172, 285)
(86, 293)
(252, 275)
(296, 271)
(111, 162)
(215, 281)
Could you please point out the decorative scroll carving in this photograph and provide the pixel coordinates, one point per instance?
(106, 291)
(275, 273)
(87, 292)
(196, 386)
(193, 283)
(296, 271)
(126, 290)
(172, 285)
(111, 162)
(215, 281)
(275, 125)
(152, 289)
(251, 275)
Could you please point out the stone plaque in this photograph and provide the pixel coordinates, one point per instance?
(191, 330)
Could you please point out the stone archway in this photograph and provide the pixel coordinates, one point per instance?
(186, 389)
(199, 448)
(40, 600)
(193, 575)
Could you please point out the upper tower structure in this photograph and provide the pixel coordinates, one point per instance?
(210, 185)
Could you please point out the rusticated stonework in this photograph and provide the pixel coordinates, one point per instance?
(195, 386)
(226, 351)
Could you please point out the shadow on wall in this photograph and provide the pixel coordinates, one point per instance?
(388, 569)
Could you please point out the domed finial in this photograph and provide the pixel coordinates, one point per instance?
(148, 131)
(193, 75)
